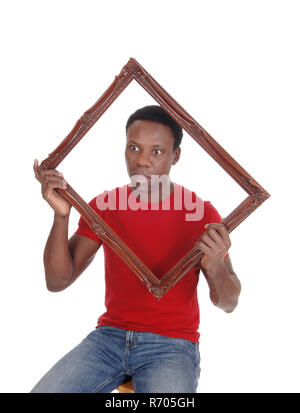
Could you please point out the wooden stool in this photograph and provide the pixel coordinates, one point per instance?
(126, 387)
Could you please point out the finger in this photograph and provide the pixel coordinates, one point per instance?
(203, 247)
(51, 190)
(35, 165)
(50, 172)
(54, 182)
(203, 261)
(50, 187)
(208, 240)
(220, 228)
(213, 234)
(214, 224)
(225, 235)
(36, 170)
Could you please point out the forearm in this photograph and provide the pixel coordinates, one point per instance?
(58, 261)
(224, 286)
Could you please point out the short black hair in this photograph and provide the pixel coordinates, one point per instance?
(157, 114)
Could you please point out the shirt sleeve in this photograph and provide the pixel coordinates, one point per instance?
(212, 216)
(83, 227)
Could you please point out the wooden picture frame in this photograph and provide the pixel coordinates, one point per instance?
(256, 194)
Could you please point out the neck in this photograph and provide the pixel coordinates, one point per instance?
(154, 194)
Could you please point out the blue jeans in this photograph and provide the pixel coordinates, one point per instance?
(108, 356)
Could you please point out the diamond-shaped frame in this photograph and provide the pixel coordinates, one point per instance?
(256, 194)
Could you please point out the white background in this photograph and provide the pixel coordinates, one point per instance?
(234, 66)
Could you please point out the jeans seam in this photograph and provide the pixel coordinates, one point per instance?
(198, 360)
(109, 380)
(134, 384)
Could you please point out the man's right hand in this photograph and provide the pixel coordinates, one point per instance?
(51, 179)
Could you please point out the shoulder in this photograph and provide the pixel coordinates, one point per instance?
(192, 200)
(108, 199)
(188, 195)
(185, 192)
(211, 213)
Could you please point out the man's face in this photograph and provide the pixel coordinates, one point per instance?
(149, 149)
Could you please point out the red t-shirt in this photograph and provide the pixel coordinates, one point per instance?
(160, 238)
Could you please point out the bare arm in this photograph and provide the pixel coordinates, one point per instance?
(223, 283)
(64, 260)
(58, 261)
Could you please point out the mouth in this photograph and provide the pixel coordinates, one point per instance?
(140, 179)
(142, 175)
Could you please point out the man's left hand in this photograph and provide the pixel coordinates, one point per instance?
(215, 243)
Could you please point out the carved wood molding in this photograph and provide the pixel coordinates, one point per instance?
(257, 194)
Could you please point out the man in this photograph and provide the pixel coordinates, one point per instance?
(154, 342)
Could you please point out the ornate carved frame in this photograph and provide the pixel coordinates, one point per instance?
(256, 194)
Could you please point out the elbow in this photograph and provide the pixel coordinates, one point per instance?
(56, 285)
(54, 288)
(231, 308)
(58, 276)
(234, 302)
(227, 304)
(227, 307)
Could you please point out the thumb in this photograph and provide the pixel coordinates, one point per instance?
(204, 261)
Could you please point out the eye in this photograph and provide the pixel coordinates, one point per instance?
(132, 146)
(156, 150)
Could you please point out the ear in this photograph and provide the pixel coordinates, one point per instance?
(176, 155)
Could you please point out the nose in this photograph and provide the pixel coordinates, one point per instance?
(143, 160)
